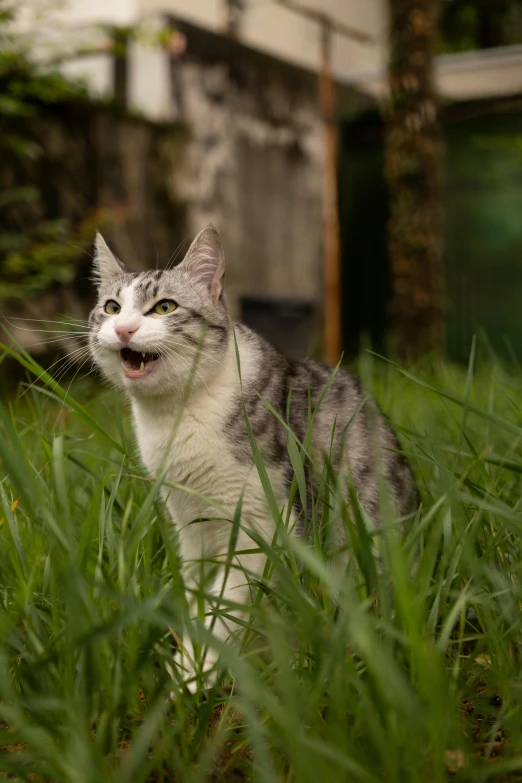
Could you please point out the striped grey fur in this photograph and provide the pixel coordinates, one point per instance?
(202, 319)
(179, 369)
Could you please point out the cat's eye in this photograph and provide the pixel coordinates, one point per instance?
(112, 307)
(164, 307)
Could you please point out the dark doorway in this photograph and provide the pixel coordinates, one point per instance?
(363, 209)
(287, 323)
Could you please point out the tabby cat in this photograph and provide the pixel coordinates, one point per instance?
(165, 337)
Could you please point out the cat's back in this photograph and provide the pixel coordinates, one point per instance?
(345, 419)
(295, 389)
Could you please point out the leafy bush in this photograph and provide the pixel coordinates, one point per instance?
(35, 251)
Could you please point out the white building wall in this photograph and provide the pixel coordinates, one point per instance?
(267, 26)
(276, 30)
(95, 70)
(120, 12)
(285, 34)
(206, 13)
(488, 73)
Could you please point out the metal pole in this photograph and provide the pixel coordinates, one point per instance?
(234, 11)
(331, 243)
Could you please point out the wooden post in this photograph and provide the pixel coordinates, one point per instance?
(331, 243)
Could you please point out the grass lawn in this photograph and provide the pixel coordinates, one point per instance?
(406, 668)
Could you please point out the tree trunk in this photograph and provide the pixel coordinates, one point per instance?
(413, 162)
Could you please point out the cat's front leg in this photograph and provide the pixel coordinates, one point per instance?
(229, 598)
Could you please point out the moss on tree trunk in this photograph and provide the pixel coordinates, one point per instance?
(413, 162)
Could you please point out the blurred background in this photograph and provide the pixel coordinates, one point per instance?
(362, 160)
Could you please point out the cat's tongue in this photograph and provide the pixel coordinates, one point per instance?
(137, 364)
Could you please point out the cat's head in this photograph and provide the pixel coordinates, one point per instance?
(161, 331)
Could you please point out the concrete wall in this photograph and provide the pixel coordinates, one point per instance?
(253, 164)
(271, 28)
(243, 150)
(266, 27)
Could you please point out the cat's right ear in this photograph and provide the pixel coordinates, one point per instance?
(106, 267)
(205, 261)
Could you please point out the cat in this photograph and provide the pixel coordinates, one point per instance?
(165, 337)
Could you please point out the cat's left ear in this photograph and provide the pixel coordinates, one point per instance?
(106, 267)
(205, 260)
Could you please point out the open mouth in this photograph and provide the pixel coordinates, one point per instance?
(137, 364)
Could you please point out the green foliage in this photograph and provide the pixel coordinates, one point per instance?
(479, 24)
(483, 192)
(35, 251)
(146, 35)
(39, 246)
(404, 668)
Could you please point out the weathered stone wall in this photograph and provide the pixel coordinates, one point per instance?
(253, 163)
(243, 150)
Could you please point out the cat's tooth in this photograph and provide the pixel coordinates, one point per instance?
(143, 354)
(142, 367)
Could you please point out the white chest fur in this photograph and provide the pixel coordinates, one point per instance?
(191, 447)
(204, 479)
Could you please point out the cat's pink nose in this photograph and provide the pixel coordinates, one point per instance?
(125, 332)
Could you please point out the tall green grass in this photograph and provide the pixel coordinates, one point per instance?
(405, 668)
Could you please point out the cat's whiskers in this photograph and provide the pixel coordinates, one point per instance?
(74, 358)
(200, 353)
(56, 341)
(169, 386)
(70, 360)
(63, 322)
(204, 352)
(84, 362)
(63, 334)
(175, 254)
(54, 331)
(168, 351)
(47, 371)
(81, 249)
